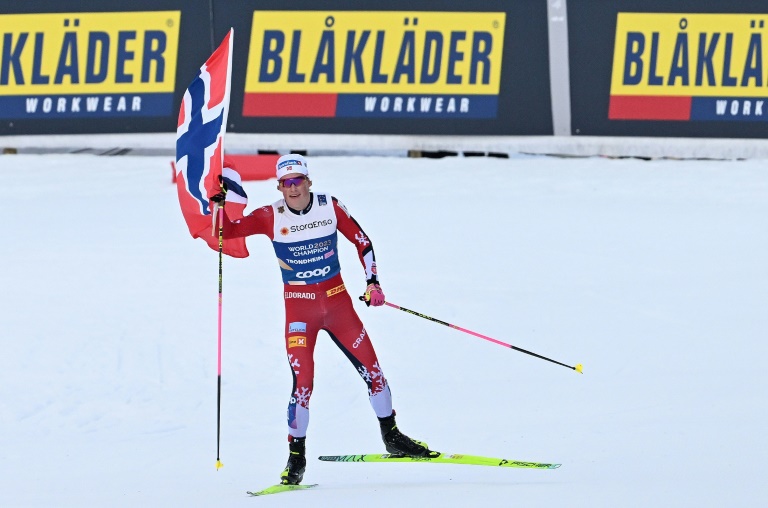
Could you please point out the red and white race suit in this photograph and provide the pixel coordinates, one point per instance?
(315, 296)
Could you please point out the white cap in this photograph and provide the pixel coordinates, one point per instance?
(291, 163)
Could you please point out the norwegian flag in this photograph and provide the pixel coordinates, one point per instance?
(200, 148)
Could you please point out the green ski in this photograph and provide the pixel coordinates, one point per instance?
(275, 489)
(440, 458)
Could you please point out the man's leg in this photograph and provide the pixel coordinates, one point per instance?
(347, 331)
(300, 339)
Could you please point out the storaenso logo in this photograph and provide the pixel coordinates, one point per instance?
(386, 63)
(311, 225)
(88, 64)
(317, 272)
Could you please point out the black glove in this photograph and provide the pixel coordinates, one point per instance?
(221, 196)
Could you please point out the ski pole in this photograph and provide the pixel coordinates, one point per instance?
(220, 216)
(578, 368)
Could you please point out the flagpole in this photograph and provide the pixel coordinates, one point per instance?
(220, 216)
(196, 135)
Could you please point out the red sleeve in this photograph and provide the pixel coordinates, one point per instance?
(355, 234)
(258, 222)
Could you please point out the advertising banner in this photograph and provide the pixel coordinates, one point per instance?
(407, 67)
(462, 69)
(66, 71)
(374, 64)
(689, 67)
(694, 71)
(88, 65)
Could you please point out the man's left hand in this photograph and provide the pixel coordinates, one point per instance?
(374, 295)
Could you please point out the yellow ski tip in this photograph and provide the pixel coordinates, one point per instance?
(578, 368)
(219, 465)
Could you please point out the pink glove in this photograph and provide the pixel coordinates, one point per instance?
(374, 295)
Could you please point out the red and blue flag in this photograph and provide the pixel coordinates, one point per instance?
(200, 147)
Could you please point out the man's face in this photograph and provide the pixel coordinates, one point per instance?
(295, 189)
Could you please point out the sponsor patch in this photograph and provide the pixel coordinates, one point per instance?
(359, 339)
(321, 199)
(317, 272)
(297, 341)
(336, 290)
(295, 294)
(289, 164)
(297, 326)
(312, 225)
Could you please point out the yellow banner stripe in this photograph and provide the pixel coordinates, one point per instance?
(710, 55)
(89, 53)
(375, 52)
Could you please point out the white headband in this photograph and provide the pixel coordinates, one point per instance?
(291, 163)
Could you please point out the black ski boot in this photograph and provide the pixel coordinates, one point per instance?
(297, 462)
(398, 443)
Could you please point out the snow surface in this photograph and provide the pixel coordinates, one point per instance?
(651, 274)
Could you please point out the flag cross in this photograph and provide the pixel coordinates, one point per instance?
(199, 137)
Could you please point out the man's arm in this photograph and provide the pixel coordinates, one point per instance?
(258, 222)
(355, 234)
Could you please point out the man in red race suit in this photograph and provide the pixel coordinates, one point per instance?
(303, 228)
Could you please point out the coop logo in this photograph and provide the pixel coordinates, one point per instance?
(690, 67)
(317, 272)
(88, 65)
(385, 64)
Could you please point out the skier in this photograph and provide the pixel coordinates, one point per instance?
(303, 228)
